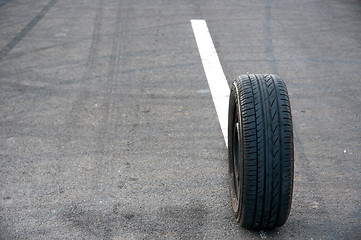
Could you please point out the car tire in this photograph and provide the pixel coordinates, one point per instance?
(261, 152)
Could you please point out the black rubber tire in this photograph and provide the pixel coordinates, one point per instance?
(260, 150)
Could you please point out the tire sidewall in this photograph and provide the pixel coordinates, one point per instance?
(234, 112)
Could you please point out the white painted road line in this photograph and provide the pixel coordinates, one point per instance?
(212, 67)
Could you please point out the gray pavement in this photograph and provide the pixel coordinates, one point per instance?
(108, 129)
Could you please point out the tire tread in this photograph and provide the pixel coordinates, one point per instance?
(267, 147)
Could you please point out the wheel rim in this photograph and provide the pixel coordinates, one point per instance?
(236, 162)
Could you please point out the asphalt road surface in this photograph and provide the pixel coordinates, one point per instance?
(108, 129)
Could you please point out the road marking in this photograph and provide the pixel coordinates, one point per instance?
(213, 69)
